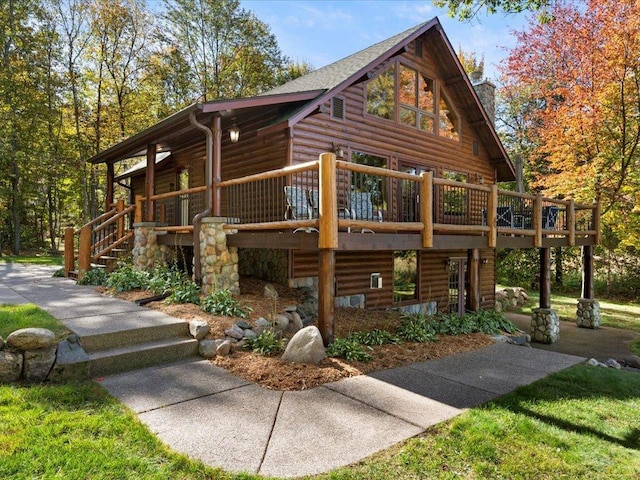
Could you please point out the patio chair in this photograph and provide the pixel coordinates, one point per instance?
(549, 217)
(298, 207)
(361, 208)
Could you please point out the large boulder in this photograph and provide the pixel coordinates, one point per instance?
(10, 366)
(198, 329)
(305, 347)
(38, 363)
(31, 339)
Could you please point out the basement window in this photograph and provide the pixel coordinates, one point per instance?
(405, 275)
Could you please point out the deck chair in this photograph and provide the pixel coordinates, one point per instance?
(361, 208)
(549, 217)
(505, 216)
(297, 207)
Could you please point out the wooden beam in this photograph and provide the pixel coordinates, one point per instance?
(216, 201)
(587, 272)
(84, 251)
(571, 222)
(69, 251)
(537, 220)
(149, 183)
(328, 202)
(326, 294)
(473, 275)
(426, 208)
(120, 228)
(109, 195)
(545, 277)
(137, 215)
(492, 216)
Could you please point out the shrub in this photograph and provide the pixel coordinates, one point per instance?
(95, 276)
(267, 343)
(185, 292)
(348, 349)
(223, 303)
(374, 337)
(125, 278)
(417, 328)
(165, 278)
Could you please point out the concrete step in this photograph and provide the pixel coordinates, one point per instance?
(132, 357)
(129, 335)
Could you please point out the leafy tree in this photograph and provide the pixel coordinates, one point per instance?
(582, 68)
(467, 9)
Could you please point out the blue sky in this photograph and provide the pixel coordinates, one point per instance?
(321, 32)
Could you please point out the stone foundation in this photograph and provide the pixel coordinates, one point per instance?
(267, 264)
(219, 263)
(303, 282)
(588, 313)
(429, 308)
(146, 252)
(545, 325)
(357, 301)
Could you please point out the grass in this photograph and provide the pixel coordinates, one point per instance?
(578, 423)
(15, 317)
(32, 259)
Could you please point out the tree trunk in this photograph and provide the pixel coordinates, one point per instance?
(15, 206)
(559, 271)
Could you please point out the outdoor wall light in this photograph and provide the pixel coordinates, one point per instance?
(234, 133)
(338, 150)
(484, 260)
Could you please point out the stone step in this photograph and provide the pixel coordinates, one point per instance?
(132, 357)
(130, 335)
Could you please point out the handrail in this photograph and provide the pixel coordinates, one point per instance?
(113, 219)
(97, 220)
(113, 246)
(358, 168)
(177, 193)
(454, 183)
(303, 167)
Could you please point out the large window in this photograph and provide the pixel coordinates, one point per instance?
(406, 96)
(374, 186)
(405, 275)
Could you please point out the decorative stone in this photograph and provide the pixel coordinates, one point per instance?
(72, 362)
(224, 348)
(243, 324)
(10, 366)
(612, 363)
(261, 324)
(38, 363)
(249, 334)
(270, 292)
(545, 325)
(31, 339)
(295, 322)
(234, 332)
(588, 313)
(281, 322)
(632, 361)
(305, 347)
(290, 308)
(207, 348)
(198, 329)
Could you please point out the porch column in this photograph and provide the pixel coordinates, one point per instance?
(473, 274)
(588, 311)
(326, 294)
(216, 168)
(108, 201)
(150, 182)
(545, 325)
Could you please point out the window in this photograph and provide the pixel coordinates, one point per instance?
(405, 275)
(374, 186)
(449, 125)
(404, 95)
(381, 94)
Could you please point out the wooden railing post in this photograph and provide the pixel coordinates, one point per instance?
(426, 208)
(328, 192)
(571, 222)
(84, 251)
(492, 216)
(137, 217)
(537, 221)
(120, 228)
(69, 251)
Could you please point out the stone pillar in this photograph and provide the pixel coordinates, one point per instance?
(588, 314)
(147, 254)
(219, 263)
(545, 325)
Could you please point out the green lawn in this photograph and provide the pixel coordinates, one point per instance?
(32, 259)
(579, 423)
(15, 317)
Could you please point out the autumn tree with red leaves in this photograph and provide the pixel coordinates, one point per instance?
(577, 77)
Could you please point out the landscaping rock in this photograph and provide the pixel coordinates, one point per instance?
(72, 362)
(243, 324)
(208, 348)
(31, 338)
(305, 347)
(248, 333)
(290, 308)
(198, 329)
(224, 348)
(10, 366)
(295, 322)
(38, 363)
(261, 324)
(595, 363)
(612, 363)
(632, 361)
(234, 332)
(270, 292)
(281, 322)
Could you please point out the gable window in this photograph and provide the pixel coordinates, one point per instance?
(406, 96)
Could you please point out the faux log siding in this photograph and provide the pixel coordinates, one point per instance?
(434, 276)
(488, 279)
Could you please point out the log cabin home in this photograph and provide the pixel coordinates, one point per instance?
(373, 180)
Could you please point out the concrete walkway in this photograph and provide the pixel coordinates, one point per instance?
(203, 411)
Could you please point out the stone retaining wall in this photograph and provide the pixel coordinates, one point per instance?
(267, 264)
(28, 354)
(511, 299)
(219, 263)
(588, 313)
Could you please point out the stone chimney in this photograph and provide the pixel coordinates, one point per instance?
(486, 91)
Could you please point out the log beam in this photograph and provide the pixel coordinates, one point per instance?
(326, 294)
(150, 182)
(109, 195)
(587, 272)
(473, 274)
(545, 277)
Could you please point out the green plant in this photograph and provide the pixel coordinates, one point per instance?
(59, 273)
(374, 337)
(267, 343)
(348, 349)
(165, 278)
(223, 303)
(416, 328)
(95, 276)
(185, 292)
(126, 277)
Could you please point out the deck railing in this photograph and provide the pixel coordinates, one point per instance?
(173, 211)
